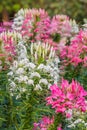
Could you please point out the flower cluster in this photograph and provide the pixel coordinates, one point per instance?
(78, 120)
(76, 52)
(43, 124)
(8, 42)
(5, 26)
(60, 24)
(41, 52)
(67, 96)
(36, 25)
(25, 73)
(18, 20)
(29, 52)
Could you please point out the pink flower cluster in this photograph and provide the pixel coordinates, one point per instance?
(43, 124)
(60, 24)
(38, 26)
(5, 26)
(8, 43)
(35, 25)
(76, 52)
(67, 97)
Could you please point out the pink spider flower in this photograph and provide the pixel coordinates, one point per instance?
(61, 24)
(35, 25)
(5, 26)
(8, 42)
(43, 124)
(67, 97)
(76, 52)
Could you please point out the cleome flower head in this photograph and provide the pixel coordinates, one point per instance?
(67, 96)
(76, 52)
(28, 72)
(33, 24)
(60, 24)
(41, 52)
(8, 42)
(18, 20)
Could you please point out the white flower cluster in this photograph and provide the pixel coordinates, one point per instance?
(75, 27)
(14, 35)
(78, 119)
(19, 18)
(77, 122)
(41, 52)
(25, 74)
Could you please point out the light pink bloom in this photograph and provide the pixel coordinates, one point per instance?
(61, 25)
(35, 25)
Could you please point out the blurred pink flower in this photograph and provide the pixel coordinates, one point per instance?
(59, 127)
(44, 123)
(5, 26)
(60, 24)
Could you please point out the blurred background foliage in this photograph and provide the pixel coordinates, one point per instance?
(76, 9)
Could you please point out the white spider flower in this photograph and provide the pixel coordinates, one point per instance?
(44, 81)
(18, 20)
(20, 71)
(18, 96)
(38, 87)
(31, 65)
(41, 66)
(12, 84)
(35, 74)
(30, 82)
(75, 27)
(15, 64)
(22, 89)
(57, 60)
(23, 62)
(10, 73)
(48, 68)
(22, 56)
(72, 125)
(78, 121)
(25, 78)
(20, 79)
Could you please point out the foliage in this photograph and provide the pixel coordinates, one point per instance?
(36, 55)
(74, 8)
